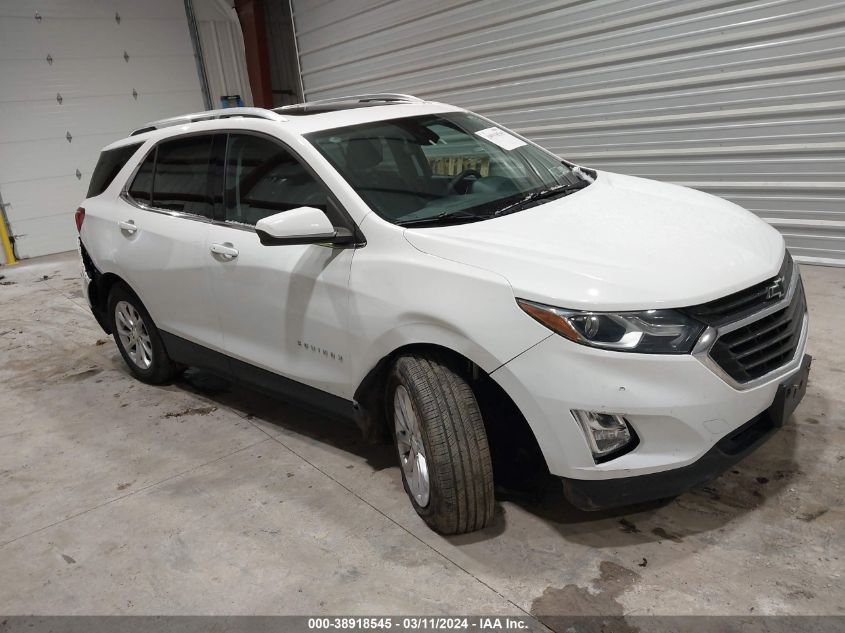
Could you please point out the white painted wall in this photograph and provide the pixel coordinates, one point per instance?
(38, 165)
(222, 45)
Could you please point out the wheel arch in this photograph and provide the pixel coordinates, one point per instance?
(98, 295)
(513, 444)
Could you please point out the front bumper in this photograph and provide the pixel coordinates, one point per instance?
(597, 494)
(679, 408)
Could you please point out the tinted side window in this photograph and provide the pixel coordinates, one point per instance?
(263, 178)
(182, 176)
(142, 186)
(110, 162)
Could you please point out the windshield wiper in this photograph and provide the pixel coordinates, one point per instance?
(462, 216)
(447, 217)
(552, 192)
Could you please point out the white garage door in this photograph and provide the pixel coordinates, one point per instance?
(75, 76)
(744, 99)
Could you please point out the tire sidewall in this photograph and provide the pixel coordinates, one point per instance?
(160, 365)
(398, 377)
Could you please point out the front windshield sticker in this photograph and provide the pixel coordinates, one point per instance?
(501, 138)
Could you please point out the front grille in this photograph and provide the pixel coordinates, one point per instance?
(762, 346)
(743, 303)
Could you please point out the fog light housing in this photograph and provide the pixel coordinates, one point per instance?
(609, 435)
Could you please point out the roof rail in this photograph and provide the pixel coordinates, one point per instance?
(385, 97)
(209, 115)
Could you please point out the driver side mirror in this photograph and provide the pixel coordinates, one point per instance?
(303, 225)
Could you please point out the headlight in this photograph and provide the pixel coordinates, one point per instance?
(646, 332)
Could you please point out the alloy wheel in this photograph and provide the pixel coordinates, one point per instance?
(133, 334)
(409, 442)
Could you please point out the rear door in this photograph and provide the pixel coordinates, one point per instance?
(163, 221)
(282, 308)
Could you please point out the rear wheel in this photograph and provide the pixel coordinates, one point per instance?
(138, 339)
(442, 444)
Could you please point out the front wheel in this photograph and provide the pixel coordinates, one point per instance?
(442, 444)
(138, 338)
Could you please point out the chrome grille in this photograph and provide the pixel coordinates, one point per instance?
(745, 302)
(758, 330)
(762, 346)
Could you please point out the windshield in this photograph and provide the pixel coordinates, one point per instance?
(443, 168)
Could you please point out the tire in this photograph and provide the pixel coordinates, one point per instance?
(427, 393)
(147, 359)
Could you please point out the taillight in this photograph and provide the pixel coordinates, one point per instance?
(80, 218)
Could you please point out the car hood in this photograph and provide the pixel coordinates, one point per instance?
(622, 243)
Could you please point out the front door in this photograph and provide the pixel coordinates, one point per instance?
(281, 308)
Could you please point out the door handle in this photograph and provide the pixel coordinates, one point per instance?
(127, 225)
(225, 250)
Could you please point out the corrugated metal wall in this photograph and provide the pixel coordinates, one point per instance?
(284, 68)
(743, 99)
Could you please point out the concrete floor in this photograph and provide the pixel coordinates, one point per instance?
(121, 498)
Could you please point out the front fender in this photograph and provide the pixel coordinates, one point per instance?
(400, 296)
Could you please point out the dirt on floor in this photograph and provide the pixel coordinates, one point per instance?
(117, 497)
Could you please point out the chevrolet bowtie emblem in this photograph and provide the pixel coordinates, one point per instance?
(775, 290)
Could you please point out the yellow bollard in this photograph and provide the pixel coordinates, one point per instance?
(6, 243)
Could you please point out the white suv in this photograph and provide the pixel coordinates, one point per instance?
(452, 285)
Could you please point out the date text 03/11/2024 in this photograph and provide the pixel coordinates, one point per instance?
(408, 623)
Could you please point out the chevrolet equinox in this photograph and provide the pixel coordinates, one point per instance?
(452, 287)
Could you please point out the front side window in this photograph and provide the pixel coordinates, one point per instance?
(263, 178)
(441, 168)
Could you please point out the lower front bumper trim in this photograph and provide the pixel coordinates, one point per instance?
(598, 494)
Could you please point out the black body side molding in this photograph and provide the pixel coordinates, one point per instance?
(196, 355)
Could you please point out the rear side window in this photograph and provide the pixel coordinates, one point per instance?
(142, 186)
(183, 176)
(110, 162)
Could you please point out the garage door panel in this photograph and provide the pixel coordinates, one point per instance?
(737, 170)
(517, 58)
(45, 235)
(753, 140)
(413, 20)
(38, 165)
(42, 221)
(322, 13)
(105, 9)
(32, 199)
(745, 99)
(469, 30)
(816, 242)
(86, 38)
(608, 75)
(675, 61)
(91, 115)
(26, 160)
(759, 92)
(721, 123)
(78, 78)
(799, 205)
(795, 215)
